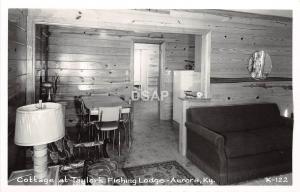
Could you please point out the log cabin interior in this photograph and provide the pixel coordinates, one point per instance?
(189, 93)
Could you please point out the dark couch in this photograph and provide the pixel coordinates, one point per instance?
(239, 142)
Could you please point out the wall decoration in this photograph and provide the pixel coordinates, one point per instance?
(260, 65)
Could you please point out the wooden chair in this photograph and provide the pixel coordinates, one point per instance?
(83, 116)
(126, 118)
(108, 120)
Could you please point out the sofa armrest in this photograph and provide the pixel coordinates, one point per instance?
(289, 122)
(206, 148)
(213, 137)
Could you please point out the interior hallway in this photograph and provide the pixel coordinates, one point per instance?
(155, 140)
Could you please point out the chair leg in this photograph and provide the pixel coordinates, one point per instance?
(98, 139)
(125, 133)
(129, 130)
(119, 148)
(113, 142)
(91, 138)
(100, 151)
(94, 132)
(89, 133)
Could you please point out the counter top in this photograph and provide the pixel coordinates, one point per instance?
(194, 99)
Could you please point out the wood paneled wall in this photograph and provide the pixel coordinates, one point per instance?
(17, 61)
(98, 61)
(41, 38)
(17, 66)
(234, 36)
(178, 55)
(279, 92)
(230, 54)
(87, 64)
(17, 77)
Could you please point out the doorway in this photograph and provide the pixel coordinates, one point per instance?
(146, 74)
(146, 70)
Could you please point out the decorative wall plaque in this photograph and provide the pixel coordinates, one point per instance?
(260, 65)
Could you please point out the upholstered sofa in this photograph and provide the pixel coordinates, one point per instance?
(239, 142)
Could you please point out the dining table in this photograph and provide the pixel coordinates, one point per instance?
(93, 103)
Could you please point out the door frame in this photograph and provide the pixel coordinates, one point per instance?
(161, 64)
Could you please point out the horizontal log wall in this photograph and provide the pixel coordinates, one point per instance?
(98, 61)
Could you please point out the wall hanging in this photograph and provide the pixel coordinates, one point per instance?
(260, 65)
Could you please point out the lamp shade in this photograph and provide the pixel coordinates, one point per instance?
(37, 126)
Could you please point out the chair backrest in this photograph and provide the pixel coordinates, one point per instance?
(82, 108)
(125, 110)
(99, 94)
(79, 106)
(235, 117)
(107, 114)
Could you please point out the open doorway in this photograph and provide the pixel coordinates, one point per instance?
(146, 69)
(146, 74)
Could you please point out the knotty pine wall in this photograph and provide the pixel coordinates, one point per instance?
(230, 53)
(235, 36)
(178, 55)
(41, 38)
(98, 61)
(87, 64)
(17, 73)
(17, 55)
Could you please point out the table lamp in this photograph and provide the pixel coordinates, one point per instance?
(37, 125)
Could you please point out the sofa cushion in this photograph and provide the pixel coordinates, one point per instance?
(256, 141)
(235, 117)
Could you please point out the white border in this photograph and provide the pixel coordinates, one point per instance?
(173, 4)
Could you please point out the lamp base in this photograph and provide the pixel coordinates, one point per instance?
(40, 161)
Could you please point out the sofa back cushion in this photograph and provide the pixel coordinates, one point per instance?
(235, 117)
